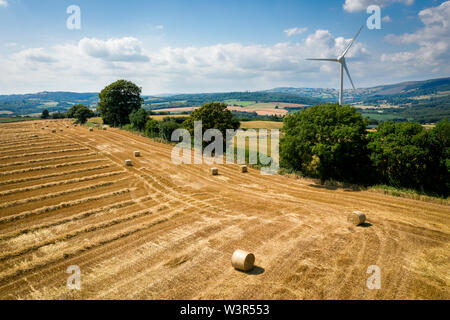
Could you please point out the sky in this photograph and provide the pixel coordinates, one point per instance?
(193, 46)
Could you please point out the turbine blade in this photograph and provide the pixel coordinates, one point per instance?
(348, 74)
(351, 43)
(335, 60)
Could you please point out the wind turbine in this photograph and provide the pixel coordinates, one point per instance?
(341, 60)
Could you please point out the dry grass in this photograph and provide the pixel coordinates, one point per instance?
(56, 166)
(261, 125)
(46, 147)
(52, 175)
(13, 146)
(162, 231)
(31, 230)
(19, 163)
(60, 183)
(41, 153)
(58, 194)
(161, 117)
(62, 205)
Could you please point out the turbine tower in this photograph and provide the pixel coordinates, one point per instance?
(341, 61)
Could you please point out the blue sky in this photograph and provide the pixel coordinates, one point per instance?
(207, 45)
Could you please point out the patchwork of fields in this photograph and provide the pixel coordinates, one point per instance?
(156, 230)
(261, 108)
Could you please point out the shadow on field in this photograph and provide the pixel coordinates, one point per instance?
(333, 187)
(365, 225)
(255, 271)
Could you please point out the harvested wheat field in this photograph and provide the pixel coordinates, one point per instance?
(155, 230)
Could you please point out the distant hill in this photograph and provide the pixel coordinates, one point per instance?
(421, 101)
(192, 100)
(424, 101)
(22, 104)
(414, 88)
(394, 92)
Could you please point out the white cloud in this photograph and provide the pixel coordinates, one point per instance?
(35, 55)
(160, 27)
(386, 19)
(3, 3)
(91, 64)
(295, 31)
(119, 49)
(433, 41)
(361, 5)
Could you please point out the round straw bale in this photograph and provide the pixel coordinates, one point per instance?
(356, 218)
(128, 163)
(244, 169)
(214, 171)
(137, 153)
(243, 260)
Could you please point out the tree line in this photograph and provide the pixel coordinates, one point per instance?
(331, 142)
(79, 112)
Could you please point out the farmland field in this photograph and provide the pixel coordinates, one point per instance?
(261, 125)
(161, 117)
(232, 102)
(379, 116)
(16, 119)
(157, 230)
(262, 108)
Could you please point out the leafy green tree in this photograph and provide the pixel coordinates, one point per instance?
(438, 169)
(166, 128)
(117, 101)
(400, 152)
(45, 114)
(71, 112)
(58, 115)
(213, 115)
(179, 120)
(82, 114)
(326, 141)
(139, 118)
(152, 128)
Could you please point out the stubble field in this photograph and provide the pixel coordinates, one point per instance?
(162, 231)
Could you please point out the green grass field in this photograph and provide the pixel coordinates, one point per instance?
(233, 102)
(16, 119)
(379, 116)
(263, 105)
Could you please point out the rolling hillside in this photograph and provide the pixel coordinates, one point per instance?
(422, 101)
(403, 90)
